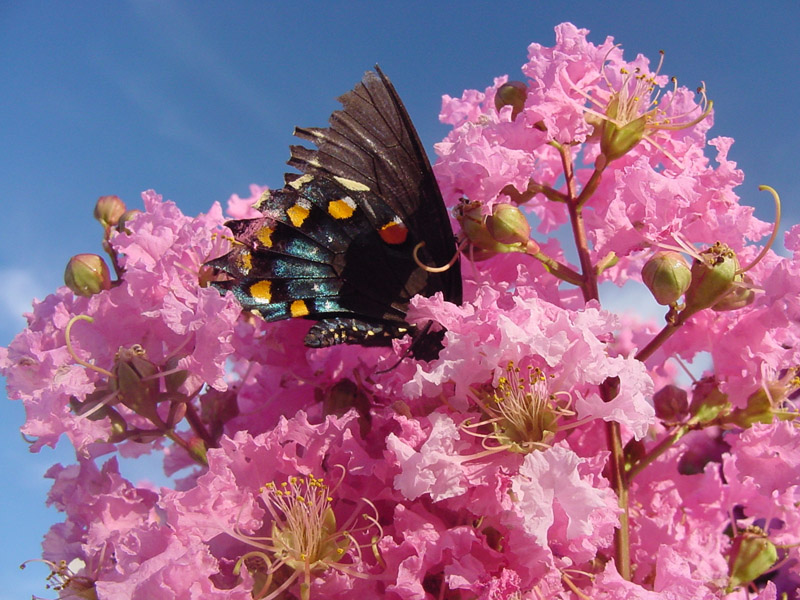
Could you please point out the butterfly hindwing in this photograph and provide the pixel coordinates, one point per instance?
(336, 243)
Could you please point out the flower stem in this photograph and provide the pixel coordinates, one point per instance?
(657, 451)
(619, 480)
(198, 427)
(112, 253)
(590, 186)
(562, 271)
(575, 206)
(656, 342)
(674, 322)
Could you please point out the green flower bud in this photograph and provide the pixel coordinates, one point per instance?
(667, 276)
(119, 427)
(175, 377)
(752, 555)
(198, 450)
(136, 382)
(126, 218)
(616, 141)
(87, 275)
(671, 403)
(713, 277)
(765, 405)
(739, 296)
(508, 225)
(474, 227)
(177, 412)
(108, 210)
(473, 224)
(96, 407)
(511, 94)
(759, 409)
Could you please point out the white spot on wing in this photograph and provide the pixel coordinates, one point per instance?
(353, 186)
(300, 181)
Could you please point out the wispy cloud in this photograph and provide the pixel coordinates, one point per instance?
(18, 290)
(632, 298)
(185, 43)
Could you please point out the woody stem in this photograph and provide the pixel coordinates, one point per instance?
(619, 481)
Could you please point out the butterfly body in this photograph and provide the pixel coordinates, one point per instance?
(337, 243)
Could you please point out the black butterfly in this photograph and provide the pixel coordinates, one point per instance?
(336, 244)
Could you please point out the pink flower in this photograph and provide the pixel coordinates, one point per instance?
(116, 531)
(549, 482)
(242, 208)
(424, 546)
(685, 512)
(436, 469)
(157, 306)
(763, 471)
(673, 582)
(257, 490)
(567, 344)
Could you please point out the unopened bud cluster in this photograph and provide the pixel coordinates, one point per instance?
(88, 274)
(713, 281)
(505, 230)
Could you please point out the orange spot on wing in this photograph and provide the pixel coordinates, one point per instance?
(299, 308)
(297, 214)
(394, 233)
(341, 209)
(264, 236)
(245, 261)
(262, 291)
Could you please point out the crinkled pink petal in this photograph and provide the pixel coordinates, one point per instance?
(551, 478)
(436, 468)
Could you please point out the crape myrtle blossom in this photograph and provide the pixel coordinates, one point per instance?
(117, 532)
(553, 450)
(567, 344)
(157, 307)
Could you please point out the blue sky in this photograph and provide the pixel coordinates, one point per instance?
(198, 100)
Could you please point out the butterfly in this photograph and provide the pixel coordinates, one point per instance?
(347, 242)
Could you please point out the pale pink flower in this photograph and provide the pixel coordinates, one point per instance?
(157, 306)
(551, 479)
(435, 469)
(566, 344)
(242, 208)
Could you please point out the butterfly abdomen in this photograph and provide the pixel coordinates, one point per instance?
(330, 332)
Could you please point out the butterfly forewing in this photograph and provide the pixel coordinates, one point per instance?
(336, 243)
(372, 141)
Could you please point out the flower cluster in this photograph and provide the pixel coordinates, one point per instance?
(553, 450)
